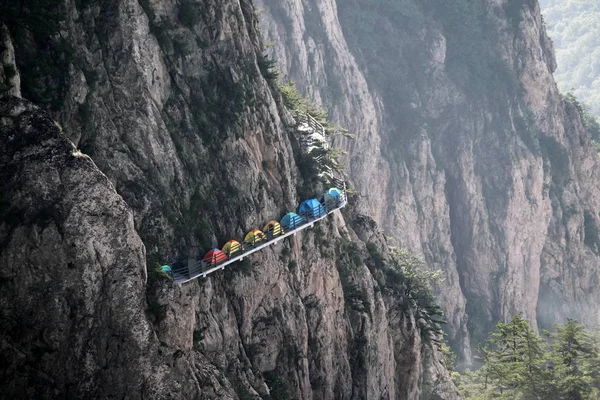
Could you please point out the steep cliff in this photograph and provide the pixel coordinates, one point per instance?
(172, 139)
(465, 151)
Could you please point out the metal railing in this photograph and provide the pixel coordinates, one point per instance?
(238, 251)
(306, 118)
(201, 268)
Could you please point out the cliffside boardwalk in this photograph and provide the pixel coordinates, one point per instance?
(203, 268)
(313, 135)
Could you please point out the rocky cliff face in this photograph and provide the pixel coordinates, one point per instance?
(465, 151)
(171, 139)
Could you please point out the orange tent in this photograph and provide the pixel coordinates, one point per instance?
(214, 257)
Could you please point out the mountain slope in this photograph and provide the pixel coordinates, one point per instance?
(190, 147)
(465, 151)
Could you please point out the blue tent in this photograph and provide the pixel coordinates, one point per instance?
(311, 208)
(332, 197)
(290, 221)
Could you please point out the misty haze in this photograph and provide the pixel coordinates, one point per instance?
(300, 199)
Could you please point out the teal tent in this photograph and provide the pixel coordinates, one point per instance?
(333, 198)
(291, 221)
(166, 269)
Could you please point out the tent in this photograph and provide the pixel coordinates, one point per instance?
(232, 247)
(254, 236)
(273, 228)
(311, 208)
(165, 271)
(333, 197)
(214, 257)
(291, 221)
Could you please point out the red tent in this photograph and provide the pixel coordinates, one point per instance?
(214, 257)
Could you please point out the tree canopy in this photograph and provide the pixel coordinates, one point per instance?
(517, 363)
(574, 27)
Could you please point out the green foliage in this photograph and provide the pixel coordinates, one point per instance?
(514, 356)
(587, 118)
(448, 356)
(574, 26)
(349, 258)
(405, 276)
(267, 68)
(449, 359)
(575, 358)
(351, 249)
(296, 102)
(328, 158)
(375, 253)
(291, 97)
(299, 103)
(519, 364)
(409, 277)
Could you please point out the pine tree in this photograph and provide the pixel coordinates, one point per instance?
(573, 354)
(513, 359)
(518, 366)
(517, 356)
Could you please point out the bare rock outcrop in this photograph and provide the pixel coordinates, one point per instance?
(10, 81)
(173, 104)
(74, 264)
(482, 167)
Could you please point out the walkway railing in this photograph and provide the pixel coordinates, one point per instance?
(234, 251)
(305, 118)
(201, 268)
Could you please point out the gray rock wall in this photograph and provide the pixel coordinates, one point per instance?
(465, 151)
(169, 133)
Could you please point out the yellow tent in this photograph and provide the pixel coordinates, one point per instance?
(273, 228)
(232, 247)
(254, 236)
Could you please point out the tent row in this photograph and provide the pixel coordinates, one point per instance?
(308, 210)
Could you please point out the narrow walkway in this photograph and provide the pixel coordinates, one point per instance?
(202, 268)
(313, 135)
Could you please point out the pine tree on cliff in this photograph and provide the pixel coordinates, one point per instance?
(575, 360)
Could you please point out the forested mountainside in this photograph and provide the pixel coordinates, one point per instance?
(134, 133)
(465, 151)
(574, 26)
